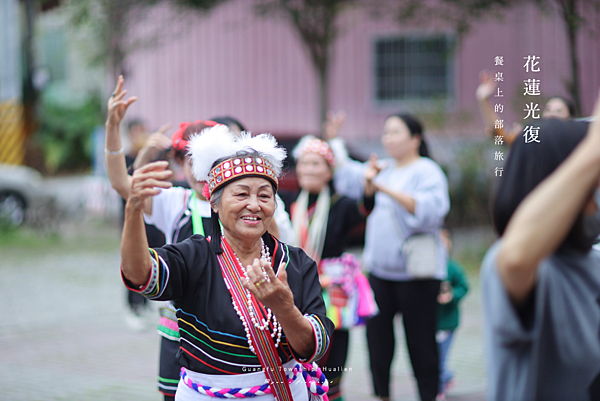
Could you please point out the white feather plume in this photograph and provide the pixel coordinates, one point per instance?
(208, 146)
(266, 145)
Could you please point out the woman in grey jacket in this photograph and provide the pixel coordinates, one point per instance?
(412, 198)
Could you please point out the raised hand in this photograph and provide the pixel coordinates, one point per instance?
(486, 87)
(594, 128)
(373, 168)
(117, 106)
(157, 142)
(147, 182)
(271, 290)
(331, 127)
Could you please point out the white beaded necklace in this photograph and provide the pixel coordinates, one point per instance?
(265, 255)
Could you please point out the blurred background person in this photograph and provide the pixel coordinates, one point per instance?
(452, 291)
(322, 221)
(556, 107)
(137, 136)
(411, 202)
(541, 279)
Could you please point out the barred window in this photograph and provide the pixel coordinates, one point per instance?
(413, 68)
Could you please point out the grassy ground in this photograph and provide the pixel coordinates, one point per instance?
(470, 246)
(69, 237)
(471, 259)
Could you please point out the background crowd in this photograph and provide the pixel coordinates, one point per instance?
(337, 226)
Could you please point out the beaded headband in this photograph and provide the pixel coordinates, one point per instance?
(236, 167)
(310, 144)
(263, 158)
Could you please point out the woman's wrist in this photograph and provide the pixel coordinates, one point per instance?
(114, 152)
(134, 206)
(112, 124)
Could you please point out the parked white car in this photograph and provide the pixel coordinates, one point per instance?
(23, 196)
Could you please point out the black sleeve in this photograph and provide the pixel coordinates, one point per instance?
(176, 269)
(354, 212)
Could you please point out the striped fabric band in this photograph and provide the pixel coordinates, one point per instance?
(315, 381)
(167, 324)
(321, 337)
(168, 328)
(157, 282)
(167, 386)
(168, 311)
(263, 343)
(248, 392)
(159, 277)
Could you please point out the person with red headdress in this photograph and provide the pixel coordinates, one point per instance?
(178, 212)
(249, 307)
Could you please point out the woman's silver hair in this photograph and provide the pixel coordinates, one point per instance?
(215, 198)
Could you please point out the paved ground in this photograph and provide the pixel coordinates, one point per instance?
(64, 336)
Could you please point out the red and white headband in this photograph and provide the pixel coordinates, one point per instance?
(265, 157)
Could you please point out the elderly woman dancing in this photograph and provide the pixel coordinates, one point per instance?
(250, 311)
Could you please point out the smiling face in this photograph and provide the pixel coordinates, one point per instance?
(313, 172)
(397, 140)
(246, 208)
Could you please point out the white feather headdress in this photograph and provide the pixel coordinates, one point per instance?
(219, 142)
(209, 145)
(266, 145)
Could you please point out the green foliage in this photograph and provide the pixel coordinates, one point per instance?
(459, 14)
(111, 31)
(471, 256)
(65, 134)
(469, 186)
(72, 237)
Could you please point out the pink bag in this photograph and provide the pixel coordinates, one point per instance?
(349, 298)
(367, 307)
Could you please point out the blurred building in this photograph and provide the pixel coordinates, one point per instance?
(232, 61)
(11, 110)
(255, 68)
(42, 60)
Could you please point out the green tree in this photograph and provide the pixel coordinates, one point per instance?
(316, 23)
(576, 15)
(112, 23)
(64, 134)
